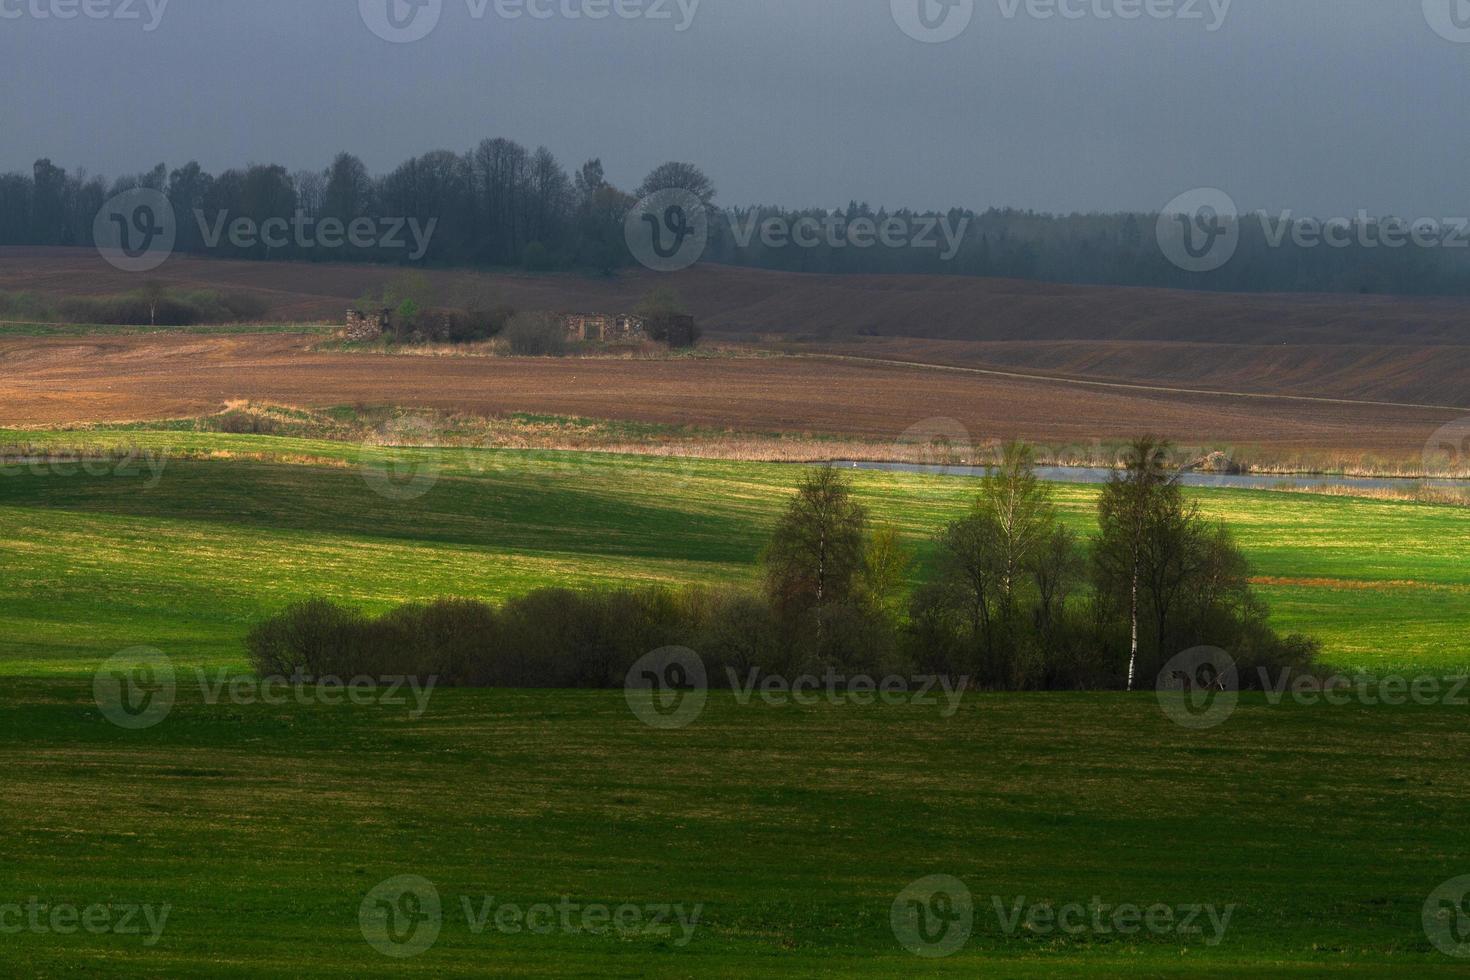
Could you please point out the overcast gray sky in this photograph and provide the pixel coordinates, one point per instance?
(1324, 106)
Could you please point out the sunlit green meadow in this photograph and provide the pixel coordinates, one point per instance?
(184, 551)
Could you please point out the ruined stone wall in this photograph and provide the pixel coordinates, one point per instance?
(366, 326)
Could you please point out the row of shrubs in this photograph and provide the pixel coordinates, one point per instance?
(550, 638)
(567, 639)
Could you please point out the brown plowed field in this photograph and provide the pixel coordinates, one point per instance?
(55, 380)
(1413, 350)
(1417, 375)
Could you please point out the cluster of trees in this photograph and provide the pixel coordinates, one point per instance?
(502, 205)
(1009, 597)
(1012, 597)
(497, 205)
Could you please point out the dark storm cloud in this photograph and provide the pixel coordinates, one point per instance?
(1324, 106)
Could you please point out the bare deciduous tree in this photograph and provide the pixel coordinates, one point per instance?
(816, 553)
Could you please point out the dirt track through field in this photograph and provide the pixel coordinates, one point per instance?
(60, 380)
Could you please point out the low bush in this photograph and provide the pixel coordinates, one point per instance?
(536, 335)
(314, 637)
(245, 423)
(25, 306)
(549, 638)
(460, 326)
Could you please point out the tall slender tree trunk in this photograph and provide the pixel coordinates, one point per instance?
(821, 583)
(1133, 620)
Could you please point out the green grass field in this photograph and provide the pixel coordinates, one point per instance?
(186, 558)
(794, 829)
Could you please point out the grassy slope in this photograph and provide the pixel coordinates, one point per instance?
(93, 564)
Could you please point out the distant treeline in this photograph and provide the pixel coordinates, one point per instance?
(501, 205)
